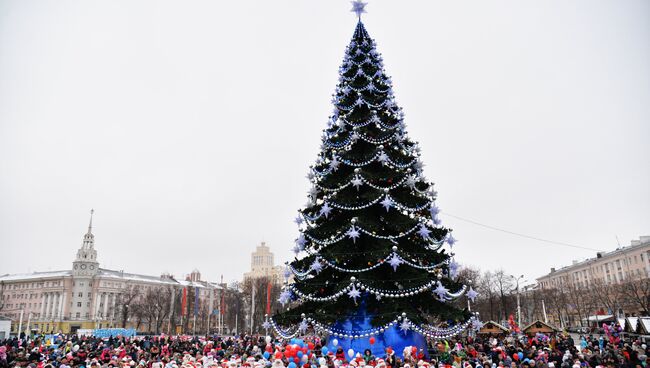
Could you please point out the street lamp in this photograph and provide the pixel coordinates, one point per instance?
(517, 279)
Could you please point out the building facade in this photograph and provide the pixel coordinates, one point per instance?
(626, 263)
(88, 296)
(608, 286)
(263, 265)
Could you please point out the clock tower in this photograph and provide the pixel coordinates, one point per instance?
(84, 268)
(86, 265)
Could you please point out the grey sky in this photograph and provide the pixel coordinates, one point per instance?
(189, 126)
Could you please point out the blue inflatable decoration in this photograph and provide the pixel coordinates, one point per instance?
(393, 337)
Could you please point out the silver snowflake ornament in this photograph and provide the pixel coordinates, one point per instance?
(358, 7)
(266, 325)
(334, 164)
(356, 182)
(303, 326)
(301, 241)
(424, 232)
(353, 233)
(405, 326)
(383, 158)
(395, 261)
(441, 291)
(316, 266)
(325, 210)
(387, 203)
(451, 240)
(354, 293)
(476, 324)
(434, 210)
(411, 180)
(471, 294)
(285, 297)
(298, 220)
(453, 269)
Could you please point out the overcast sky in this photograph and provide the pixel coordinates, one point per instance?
(189, 125)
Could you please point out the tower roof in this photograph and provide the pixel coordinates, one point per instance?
(89, 238)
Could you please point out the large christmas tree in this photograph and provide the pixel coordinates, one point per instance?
(372, 257)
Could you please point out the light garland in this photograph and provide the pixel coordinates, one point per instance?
(431, 332)
(365, 181)
(338, 238)
(362, 287)
(302, 274)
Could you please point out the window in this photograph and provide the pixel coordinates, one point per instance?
(81, 295)
(77, 315)
(78, 305)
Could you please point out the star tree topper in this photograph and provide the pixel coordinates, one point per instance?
(358, 7)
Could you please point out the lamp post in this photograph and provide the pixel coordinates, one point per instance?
(517, 279)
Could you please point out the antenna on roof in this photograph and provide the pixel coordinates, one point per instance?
(617, 241)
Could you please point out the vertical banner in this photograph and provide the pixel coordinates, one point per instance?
(253, 308)
(222, 305)
(211, 301)
(268, 298)
(184, 302)
(196, 301)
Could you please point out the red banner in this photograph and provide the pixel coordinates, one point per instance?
(268, 298)
(184, 302)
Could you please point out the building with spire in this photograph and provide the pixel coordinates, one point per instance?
(88, 296)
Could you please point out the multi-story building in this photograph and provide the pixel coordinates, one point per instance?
(88, 296)
(625, 263)
(263, 265)
(612, 284)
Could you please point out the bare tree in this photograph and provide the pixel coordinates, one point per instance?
(504, 286)
(125, 299)
(606, 294)
(155, 307)
(259, 304)
(637, 292)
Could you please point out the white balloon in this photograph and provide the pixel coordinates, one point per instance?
(305, 358)
(351, 353)
(268, 339)
(335, 342)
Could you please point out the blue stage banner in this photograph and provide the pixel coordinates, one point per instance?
(108, 332)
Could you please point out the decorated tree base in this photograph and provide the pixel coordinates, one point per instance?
(393, 337)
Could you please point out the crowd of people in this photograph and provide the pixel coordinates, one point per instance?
(557, 351)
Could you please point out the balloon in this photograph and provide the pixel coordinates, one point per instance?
(296, 360)
(324, 350)
(278, 355)
(335, 342)
(305, 358)
(266, 355)
(299, 354)
(515, 356)
(520, 355)
(351, 353)
(268, 339)
(310, 346)
(287, 353)
(372, 340)
(292, 365)
(414, 349)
